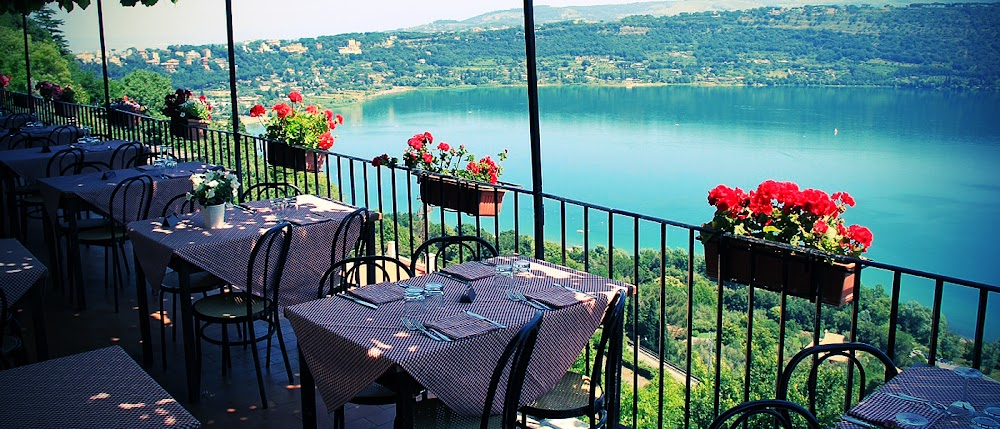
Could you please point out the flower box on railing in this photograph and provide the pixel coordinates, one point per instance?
(294, 157)
(474, 198)
(191, 129)
(769, 263)
(118, 118)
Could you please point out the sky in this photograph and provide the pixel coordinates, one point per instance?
(203, 21)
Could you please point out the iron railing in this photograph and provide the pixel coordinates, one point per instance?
(674, 351)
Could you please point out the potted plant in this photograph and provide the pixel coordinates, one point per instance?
(4, 81)
(212, 190)
(452, 177)
(125, 112)
(298, 137)
(63, 98)
(809, 232)
(189, 115)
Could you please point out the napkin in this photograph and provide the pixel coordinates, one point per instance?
(558, 297)
(177, 174)
(379, 294)
(882, 408)
(146, 168)
(301, 218)
(461, 326)
(471, 271)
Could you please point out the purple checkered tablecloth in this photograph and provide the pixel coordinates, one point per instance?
(19, 270)
(96, 191)
(347, 346)
(32, 164)
(225, 252)
(934, 384)
(103, 388)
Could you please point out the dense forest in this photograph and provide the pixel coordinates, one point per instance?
(930, 46)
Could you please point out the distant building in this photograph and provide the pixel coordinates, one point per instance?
(171, 65)
(295, 48)
(353, 47)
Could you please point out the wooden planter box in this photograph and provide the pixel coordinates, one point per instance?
(477, 199)
(836, 280)
(191, 129)
(294, 157)
(117, 118)
(66, 110)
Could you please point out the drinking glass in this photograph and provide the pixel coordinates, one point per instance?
(278, 208)
(983, 422)
(963, 407)
(433, 296)
(413, 303)
(992, 411)
(911, 421)
(521, 266)
(504, 274)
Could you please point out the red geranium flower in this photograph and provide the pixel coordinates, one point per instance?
(329, 114)
(325, 141)
(295, 97)
(257, 110)
(428, 158)
(283, 110)
(340, 118)
(312, 110)
(444, 146)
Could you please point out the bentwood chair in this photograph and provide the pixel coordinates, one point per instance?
(259, 302)
(200, 281)
(433, 414)
(348, 241)
(846, 352)
(16, 120)
(354, 272)
(780, 412)
(130, 201)
(267, 190)
(439, 252)
(63, 134)
(18, 140)
(125, 156)
(9, 344)
(30, 198)
(593, 395)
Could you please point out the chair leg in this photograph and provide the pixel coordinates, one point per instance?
(284, 352)
(163, 332)
(338, 418)
(269, 335)
(225, 348)
(260, 377)
(115, 274)
(173, 310)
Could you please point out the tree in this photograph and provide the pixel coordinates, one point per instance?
(29, 6)
(147, 88)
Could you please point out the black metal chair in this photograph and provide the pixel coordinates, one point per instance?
(200, 281)
(267, 190)
(348, 241)
(64, 134)
(439, 252)
(780, 412)
(258, 302)
(84, 167)
(9, 344)
(433, 414)
(20, 140)
(125, 156)
(593, 395)
(130, 201)
(17, 120)
(30, 198)
(350, 273)
(824, 352)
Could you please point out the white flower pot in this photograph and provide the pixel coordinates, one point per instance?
(214, 217)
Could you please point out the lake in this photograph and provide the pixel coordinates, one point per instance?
(922, 165)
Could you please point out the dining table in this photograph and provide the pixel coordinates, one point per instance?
(30, 164)
(187, 245)
(92, 192)
(927, 391)
(102, 388)
(345, 346)
(23, 275)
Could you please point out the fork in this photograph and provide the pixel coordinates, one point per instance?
(420, 326)
(540, 305)
(413, 326)
(517, 297)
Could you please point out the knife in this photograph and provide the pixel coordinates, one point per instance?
(451, 276)
(485, 319)
(359, 301)
(859, 422)
(573, 289)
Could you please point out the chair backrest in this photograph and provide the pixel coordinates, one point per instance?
(16, 120)
(3, 315)
(348, 241)
(5, 111)
(267, 262)
(439, 252)
(83, 167)
(609, 351)
(267, 190)
(147, 158)
(778, 409)
(518, 354)
(18, 140)
(822, 353)
(361, 271)
(64, 134)
(125, 156)
(131, 199)
(72, 156)
(180, 204)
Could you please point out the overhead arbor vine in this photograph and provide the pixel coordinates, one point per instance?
(29, 6)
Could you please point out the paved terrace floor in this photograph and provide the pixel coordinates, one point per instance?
(230, 402)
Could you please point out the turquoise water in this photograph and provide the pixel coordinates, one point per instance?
(922, 165)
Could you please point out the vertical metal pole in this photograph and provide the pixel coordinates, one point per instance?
(27, 61)
(232, 90)
(536, 145)
(104, 60)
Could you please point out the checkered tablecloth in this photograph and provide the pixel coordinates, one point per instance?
(225, 252)
(933, 384)
(19, 270)
(96, 191)
(347, 346)
(103, 388)
(31, 163)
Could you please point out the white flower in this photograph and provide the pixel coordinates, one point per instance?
(210, 194)
(197, 179)
(212, 184)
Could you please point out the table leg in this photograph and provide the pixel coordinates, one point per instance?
(140, 294)
(404, 401)
(70, 211)
(38, 320)
(190, 357)
(52, 245)
(308, 394)
(10, 201)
